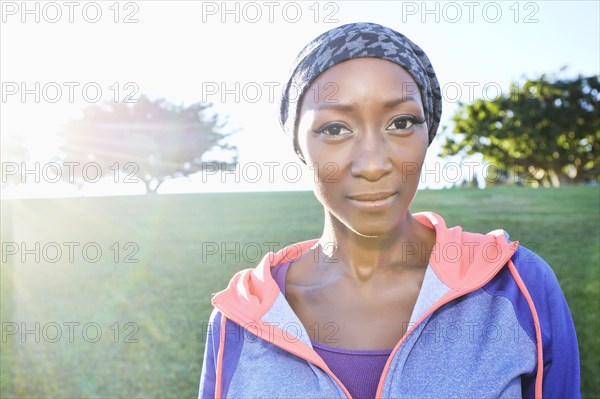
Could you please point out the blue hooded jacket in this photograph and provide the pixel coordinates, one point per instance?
(490, 321)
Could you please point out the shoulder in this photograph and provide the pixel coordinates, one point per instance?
(531, 273)
(215, 324)
(536, 273)
(531, 277)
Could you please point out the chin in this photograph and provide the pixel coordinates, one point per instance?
(373, 228)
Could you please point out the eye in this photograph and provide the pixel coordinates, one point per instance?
(333, 129)
(405, 122)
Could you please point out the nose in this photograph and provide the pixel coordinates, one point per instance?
(371, 156)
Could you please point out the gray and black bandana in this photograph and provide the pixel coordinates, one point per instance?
(361, 39)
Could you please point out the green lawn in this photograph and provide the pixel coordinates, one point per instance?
(166, 294)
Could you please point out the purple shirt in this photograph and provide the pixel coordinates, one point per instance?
(358, 370)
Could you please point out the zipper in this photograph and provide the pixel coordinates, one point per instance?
(450, 296)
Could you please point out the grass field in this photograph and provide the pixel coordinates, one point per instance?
(74, 292)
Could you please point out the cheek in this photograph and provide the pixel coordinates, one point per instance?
(327, 182)
(327, 158)
(420, 144)
(408, 158)
(327, 174)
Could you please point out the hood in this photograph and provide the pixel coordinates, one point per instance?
(464, 262)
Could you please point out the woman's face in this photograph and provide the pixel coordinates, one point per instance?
(361, 130)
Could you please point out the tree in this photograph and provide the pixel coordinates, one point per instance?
(546, 132)
(150, 140)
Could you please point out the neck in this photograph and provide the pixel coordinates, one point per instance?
(364, 257)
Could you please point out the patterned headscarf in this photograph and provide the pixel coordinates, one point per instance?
(355, 40)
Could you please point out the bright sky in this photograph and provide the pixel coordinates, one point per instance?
(237, 55)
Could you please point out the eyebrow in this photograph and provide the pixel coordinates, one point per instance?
(349, 108)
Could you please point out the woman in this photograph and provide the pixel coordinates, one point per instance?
(385, 303)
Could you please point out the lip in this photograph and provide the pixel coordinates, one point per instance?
(373, 201)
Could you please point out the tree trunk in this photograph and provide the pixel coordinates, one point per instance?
(554, 180)
(149, 189)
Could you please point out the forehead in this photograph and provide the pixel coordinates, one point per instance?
(359, 80)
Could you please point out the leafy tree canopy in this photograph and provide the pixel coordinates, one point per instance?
(547, 131)
(149, 140)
